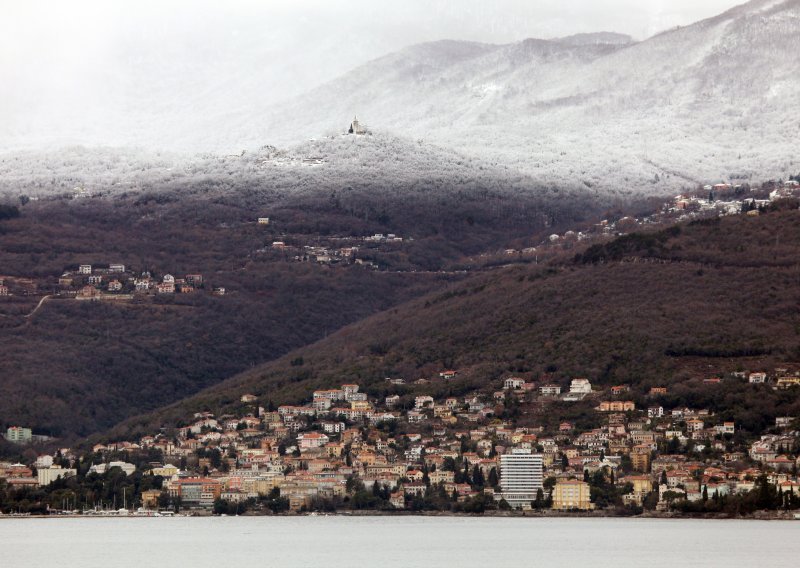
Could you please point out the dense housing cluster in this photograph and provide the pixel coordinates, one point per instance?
(347, 449)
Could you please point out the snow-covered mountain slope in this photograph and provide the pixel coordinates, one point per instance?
(714, 100)
(717, 99)
(346, 184)
(375, 163)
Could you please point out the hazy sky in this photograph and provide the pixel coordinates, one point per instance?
(65, 62)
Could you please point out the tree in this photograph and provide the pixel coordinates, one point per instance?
(673, 446)
(493, 478)
(650, 501)
(220, 507)
(275, 502)
(464, 478)
(8, 212)
(538, 503)
(215, 457)
(766, 495)
(477, 477)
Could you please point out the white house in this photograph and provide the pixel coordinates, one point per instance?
(580, 386)
(310, 440)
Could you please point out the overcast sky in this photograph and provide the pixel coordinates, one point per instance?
(61, 60)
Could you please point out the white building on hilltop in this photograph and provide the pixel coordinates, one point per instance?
(356, 127)
(521, 476)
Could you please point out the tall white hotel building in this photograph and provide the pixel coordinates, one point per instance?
(521, 475)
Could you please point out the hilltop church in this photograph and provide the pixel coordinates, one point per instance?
(356, 128)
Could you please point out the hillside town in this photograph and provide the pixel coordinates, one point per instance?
(374, 251)
(705, 202)
(347, 449)
(383, 251)
(106, 282)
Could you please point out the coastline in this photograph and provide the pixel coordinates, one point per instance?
(759, 516)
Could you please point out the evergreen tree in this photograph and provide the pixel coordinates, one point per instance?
(493, 479)
(539, 502)
(477, 477)
(766, 496)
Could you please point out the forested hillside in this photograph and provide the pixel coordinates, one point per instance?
(664, 308)
(74, 367)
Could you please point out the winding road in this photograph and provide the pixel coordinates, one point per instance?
(39, 305)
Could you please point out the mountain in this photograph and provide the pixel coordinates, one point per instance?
(75, 368)
(471, 149)
(665, 308)
(711, 101)
(597, 38)
(714, 100)
(377, 182)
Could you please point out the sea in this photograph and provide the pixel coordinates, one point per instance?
(388, 542)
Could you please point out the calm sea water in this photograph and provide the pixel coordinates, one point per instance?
(388, 542)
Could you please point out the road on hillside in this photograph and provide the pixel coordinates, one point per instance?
(39, 305)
